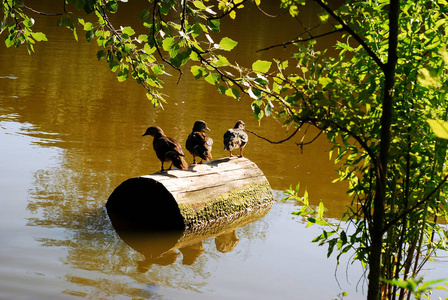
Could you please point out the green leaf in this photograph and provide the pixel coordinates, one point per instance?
(90, 35)
(222, 61)
(213, 25)
(439, 127)
(258, 113)
(212, 78)
(29, 22)
(101, 54)
(293, 10)
(112, 6)
(199, 4)
(113, 65)
(157, 69)
(227, 44)
(427, 78)
(235, 93)
(88, 26)
(128, 30)
(144, 15)
(170, 45)
(198, 72)
(39, 36)
(261, 66)
(123, 75)
(321, 210)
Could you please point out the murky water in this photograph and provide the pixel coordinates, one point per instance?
(70, 133)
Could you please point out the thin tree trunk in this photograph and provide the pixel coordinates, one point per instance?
(376, 231)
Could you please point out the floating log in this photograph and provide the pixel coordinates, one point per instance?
(179, 199)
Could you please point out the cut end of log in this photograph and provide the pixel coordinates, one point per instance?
(180, 199)
(143, 204)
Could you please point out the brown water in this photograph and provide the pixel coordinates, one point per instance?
(70, 133)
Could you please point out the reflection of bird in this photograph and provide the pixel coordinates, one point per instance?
(167, 149)
(235, 138)
(199, 143)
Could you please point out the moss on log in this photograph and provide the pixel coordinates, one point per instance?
(180, 199)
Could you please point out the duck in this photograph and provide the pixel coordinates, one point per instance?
(167, 149)
(236, 138)
(199, 143)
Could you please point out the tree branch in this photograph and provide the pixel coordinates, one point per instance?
(298, 40)
(276, 142)
(155, 40)
(357, 37)
(39, 12)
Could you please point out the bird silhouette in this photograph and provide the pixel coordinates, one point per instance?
(236, 138)
(167, 149)
(199, 143)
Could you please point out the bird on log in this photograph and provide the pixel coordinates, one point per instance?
(167, 149)
(199, 143)
(236, 138)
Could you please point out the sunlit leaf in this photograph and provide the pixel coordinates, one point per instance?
(212, 78)
(39, 36)
(261, 66)
(128, 30)
(427, 78)
(199, 4)
(235, 93)
(227, 44)
(88, 26)
(321, 210)
(29, 22)
(439, 127)
(170, 45)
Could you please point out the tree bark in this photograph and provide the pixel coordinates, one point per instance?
(376, 231)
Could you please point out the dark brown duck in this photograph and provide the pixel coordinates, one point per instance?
(167, 149)
(199, 143)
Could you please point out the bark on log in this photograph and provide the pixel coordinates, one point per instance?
(181, 199)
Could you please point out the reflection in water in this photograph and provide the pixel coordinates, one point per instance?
(159, 247)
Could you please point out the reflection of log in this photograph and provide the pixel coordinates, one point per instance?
(162, 248)
(178, 199)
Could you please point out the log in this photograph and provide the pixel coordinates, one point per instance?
(179, 199)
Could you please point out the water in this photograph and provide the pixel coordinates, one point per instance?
(70, 133)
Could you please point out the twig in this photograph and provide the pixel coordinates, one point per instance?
(300, 40)
(41, 13)
(276, 142)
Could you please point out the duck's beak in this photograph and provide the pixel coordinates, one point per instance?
(206, 128)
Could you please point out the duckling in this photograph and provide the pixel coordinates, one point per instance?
(235, 138)
(167, 149)
(199, 143)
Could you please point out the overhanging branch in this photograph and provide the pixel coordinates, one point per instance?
(300, 40)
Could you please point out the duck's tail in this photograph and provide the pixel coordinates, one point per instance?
(178, 160)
